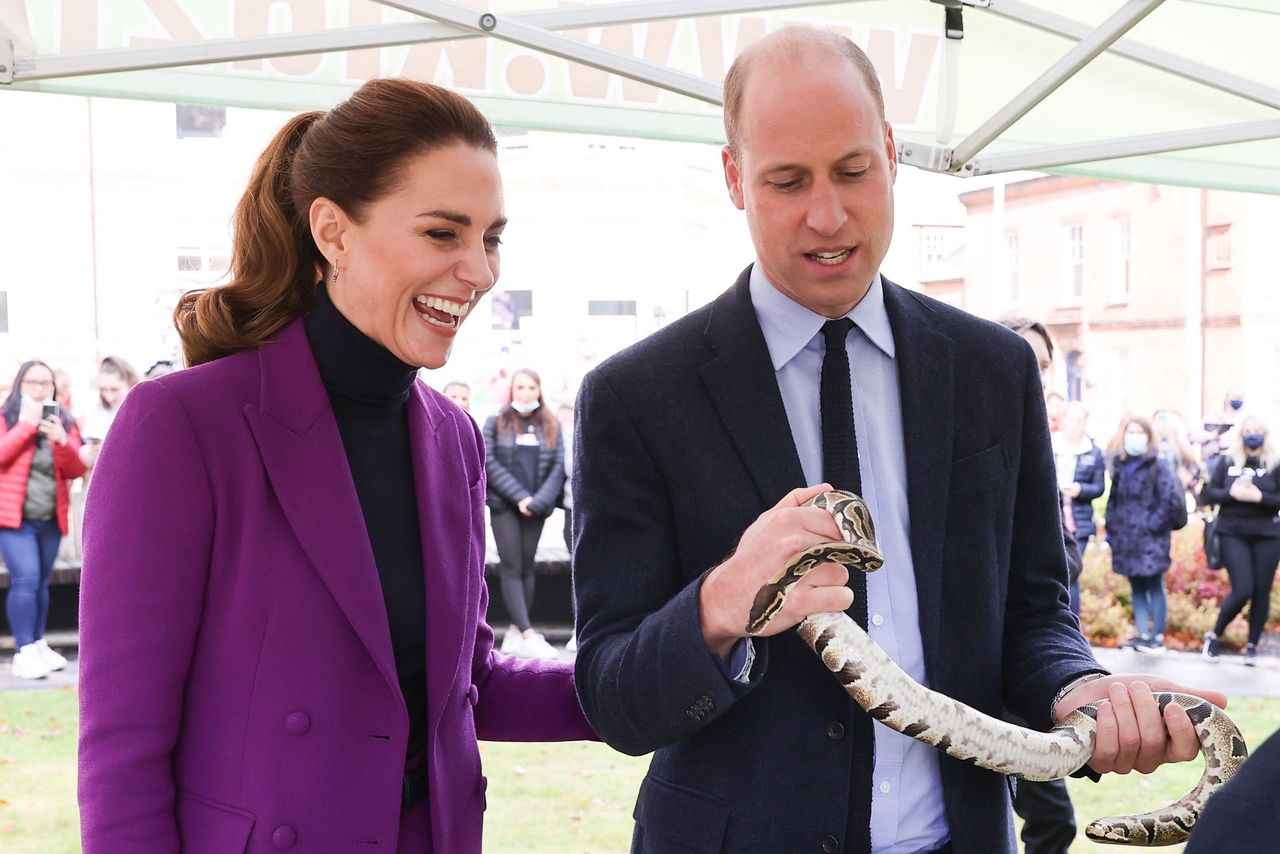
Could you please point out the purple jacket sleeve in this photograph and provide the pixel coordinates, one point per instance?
(519, 700)
(147, 540)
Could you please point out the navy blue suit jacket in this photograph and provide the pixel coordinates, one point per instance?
(682, 442)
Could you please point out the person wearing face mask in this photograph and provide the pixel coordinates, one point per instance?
(1225, 419)
(1145, 506)
(38, 461)
(1246, 487)
(525, 467)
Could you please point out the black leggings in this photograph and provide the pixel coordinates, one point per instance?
(516, 536)
(1251, 565)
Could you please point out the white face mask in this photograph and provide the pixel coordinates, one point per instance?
(525, 408)
(1135, 444)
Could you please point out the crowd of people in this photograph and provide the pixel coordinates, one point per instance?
(47, 445)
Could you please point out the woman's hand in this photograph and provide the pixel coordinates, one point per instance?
(523, 506)
(30, 412)
(54, 431)
(1245, 490)
(1071, 491)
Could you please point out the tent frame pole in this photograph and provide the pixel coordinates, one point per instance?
(1078, 57)
(1136, 146)
(53, 66)
(1162, 60)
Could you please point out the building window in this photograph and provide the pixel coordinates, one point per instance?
(4, 312)
(1075, 379)
(611, 308)
(1218, 248)
(1120, 259)
(934, 246)
(1011, 263)
(509, 307)
(1075, 263)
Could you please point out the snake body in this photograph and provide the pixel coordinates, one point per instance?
(889, 695)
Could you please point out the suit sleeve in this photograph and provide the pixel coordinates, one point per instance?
(1043, 646)
(645, 675)
(148, 535)
(517, 699)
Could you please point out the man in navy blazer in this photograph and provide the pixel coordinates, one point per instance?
(695, 451)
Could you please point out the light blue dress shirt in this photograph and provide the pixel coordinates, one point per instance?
(907, 812)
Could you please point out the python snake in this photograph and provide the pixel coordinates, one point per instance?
(892, 697)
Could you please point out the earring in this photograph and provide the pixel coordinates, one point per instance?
(335, 274)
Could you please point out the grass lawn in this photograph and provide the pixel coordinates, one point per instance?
(543, 799)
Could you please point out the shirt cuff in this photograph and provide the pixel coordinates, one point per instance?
(741, 658)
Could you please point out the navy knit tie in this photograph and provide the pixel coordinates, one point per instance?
(840, 469)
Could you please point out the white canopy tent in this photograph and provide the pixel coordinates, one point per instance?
(1166, 91)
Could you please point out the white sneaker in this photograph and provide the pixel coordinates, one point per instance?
(29, 664)
(512, 641)
(537, 647)
(49, 655)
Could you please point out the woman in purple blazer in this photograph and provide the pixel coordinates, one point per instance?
(282, 629)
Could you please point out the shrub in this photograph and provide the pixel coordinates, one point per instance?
(1195, 594)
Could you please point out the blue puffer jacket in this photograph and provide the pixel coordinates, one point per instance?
(1090, 474)
(1145, 506)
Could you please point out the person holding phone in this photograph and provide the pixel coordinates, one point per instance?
(38, 460)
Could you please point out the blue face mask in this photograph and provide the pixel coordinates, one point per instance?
(1254, 441)
(1236, 402)
(524, 408)
(1135, 444)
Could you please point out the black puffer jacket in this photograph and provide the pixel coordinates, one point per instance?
(1145, 507)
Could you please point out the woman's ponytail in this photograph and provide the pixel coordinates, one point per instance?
(274, 262)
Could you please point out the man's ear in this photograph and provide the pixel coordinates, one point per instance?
(329, 225)
(732, 177)
(891, 151)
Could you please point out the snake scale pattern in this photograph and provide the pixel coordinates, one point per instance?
(892, 697)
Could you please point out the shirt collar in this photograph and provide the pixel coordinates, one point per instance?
(788, 326)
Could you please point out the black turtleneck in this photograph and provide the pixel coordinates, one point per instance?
(369, 388)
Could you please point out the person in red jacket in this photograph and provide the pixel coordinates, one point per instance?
(39, 457)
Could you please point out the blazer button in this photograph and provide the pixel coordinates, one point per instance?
(830, 844)
(473, 695)
(283, 837)
(835, 730)
(297, 723)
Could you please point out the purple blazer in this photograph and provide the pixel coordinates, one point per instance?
(238, 689)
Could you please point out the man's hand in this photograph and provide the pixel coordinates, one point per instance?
(1132, 733)
(778, 535)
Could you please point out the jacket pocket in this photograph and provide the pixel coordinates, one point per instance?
(208, 827)
(979, 468)
(674, 818)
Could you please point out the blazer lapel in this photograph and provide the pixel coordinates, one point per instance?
(302, 451)
(744, 389)
(444, 517)
(927, 387)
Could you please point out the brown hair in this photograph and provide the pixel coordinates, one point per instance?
(353, 155)
(509, 419)
(1023, 325)
(1142, 422)
(798, 41)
